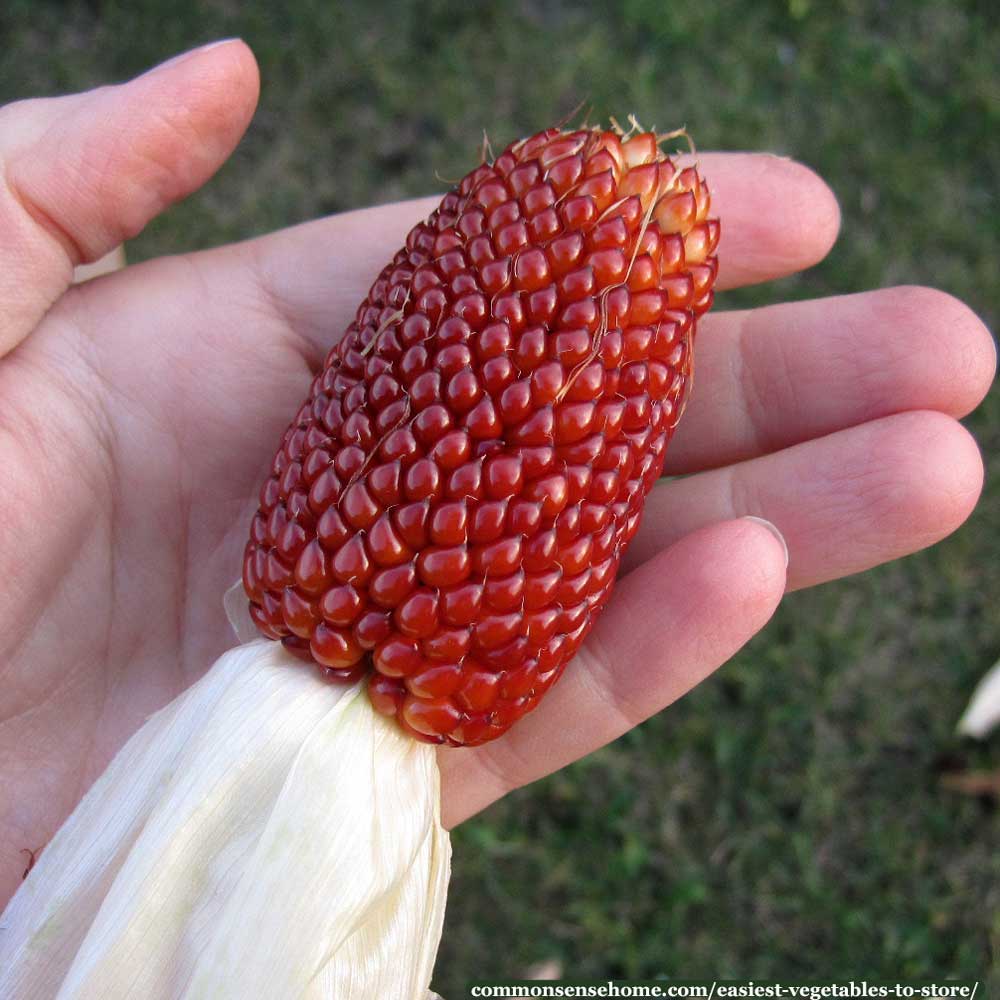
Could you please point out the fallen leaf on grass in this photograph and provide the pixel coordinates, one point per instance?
(982, 714)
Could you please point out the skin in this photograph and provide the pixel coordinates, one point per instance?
(140, 411)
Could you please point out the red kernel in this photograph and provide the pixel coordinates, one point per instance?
(417, 616)
(444, 567)
(341, 605)
(335, 648)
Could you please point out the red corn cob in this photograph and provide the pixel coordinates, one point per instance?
(449, 507)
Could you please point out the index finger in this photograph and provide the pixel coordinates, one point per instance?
(777, 216)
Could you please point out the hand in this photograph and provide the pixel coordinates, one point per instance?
(141, 410)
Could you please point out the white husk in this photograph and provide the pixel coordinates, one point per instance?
(982, 715)
(266, 835)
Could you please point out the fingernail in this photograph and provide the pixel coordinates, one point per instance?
(773, 528)
(182, 56)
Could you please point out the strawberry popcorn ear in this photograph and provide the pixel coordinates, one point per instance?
(447, 511)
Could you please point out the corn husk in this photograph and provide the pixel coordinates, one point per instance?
(265, 835)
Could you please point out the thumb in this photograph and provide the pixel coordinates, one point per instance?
(80, 174)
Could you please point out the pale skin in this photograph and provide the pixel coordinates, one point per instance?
(140, 412)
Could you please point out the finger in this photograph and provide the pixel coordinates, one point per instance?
(669, 625)
(844, 503)
(83, 173)
(777, 217)
(770, 378)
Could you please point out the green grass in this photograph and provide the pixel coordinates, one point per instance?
(785, 819)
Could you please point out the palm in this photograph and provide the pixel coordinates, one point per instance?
(141, 413)
(148, 480)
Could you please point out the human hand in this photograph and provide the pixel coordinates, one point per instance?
(140, 412)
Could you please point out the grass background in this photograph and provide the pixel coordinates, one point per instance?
(786, 819)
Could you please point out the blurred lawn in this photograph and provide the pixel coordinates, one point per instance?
(786, 819)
